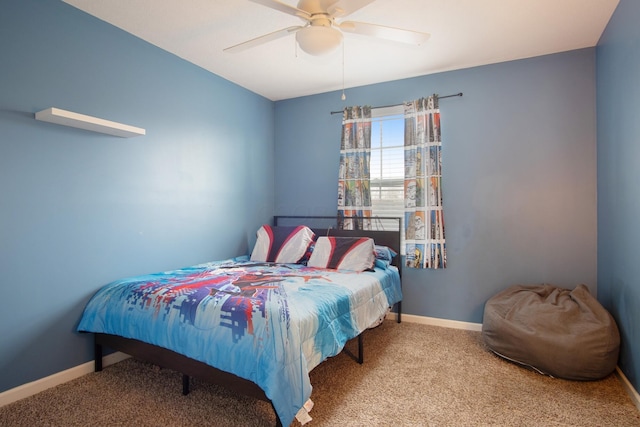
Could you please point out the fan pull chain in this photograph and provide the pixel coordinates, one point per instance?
(343, 97)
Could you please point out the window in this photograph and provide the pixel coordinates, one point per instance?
(387, 164)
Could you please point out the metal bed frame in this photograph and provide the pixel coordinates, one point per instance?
(192, 368)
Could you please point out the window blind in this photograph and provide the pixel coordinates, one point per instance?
(387, 164)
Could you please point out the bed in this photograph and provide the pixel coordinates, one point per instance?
(258, 324)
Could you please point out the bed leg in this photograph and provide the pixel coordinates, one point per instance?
(360, 349)
(97, 355)
(185, 384)
(399, 311)
(278, 422)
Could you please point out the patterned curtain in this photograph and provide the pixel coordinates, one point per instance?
(354, 191)
(424, 219)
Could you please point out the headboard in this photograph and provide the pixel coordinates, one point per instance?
(386, 230)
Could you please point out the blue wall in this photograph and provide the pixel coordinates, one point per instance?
(519, 161)
(618, 91)
(79, 209)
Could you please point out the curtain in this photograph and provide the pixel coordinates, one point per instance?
(354, 191)
(424, 219)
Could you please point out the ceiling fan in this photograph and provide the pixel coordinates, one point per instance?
(322, 33)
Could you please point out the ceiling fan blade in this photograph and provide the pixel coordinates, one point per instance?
(383, 32)
(343, 8)
(283, 7)
(262, 39)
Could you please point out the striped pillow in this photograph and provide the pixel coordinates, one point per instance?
(282, 244)
(343, 253)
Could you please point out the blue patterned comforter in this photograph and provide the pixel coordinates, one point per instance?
(268, 323)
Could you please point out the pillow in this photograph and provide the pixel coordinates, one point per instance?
(383, 265)
(343, 253)
(385, 253)
(282, 244)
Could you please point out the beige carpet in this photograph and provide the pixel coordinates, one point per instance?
(413, 375)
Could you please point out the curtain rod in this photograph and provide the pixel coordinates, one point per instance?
(386, 106)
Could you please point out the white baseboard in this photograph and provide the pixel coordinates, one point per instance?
(42, 384)
(633, 394)
(434, 321)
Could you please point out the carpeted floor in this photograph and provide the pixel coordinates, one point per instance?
(413, 375)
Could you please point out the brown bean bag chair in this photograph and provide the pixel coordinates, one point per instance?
(559, 332)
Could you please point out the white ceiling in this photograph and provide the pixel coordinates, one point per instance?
(464, 33)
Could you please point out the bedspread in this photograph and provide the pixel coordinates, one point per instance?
(268, 323)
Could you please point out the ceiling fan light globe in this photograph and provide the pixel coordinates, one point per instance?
(318, 40)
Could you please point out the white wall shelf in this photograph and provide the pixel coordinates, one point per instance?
(81, 121)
